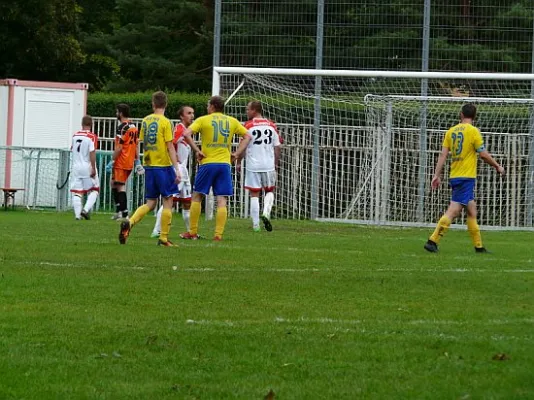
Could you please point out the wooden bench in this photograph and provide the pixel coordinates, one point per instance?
(9, 193)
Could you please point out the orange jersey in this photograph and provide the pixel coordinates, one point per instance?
(127, 137)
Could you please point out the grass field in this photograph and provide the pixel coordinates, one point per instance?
(309, 311)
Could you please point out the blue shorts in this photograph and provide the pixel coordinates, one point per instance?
(216, 176)
(463, 190)
(159, 181)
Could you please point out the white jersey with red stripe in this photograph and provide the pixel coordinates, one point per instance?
(183, 150)
(260, 150)
(83, 143)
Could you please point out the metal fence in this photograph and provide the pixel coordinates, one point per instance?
(427, 35)
(359, 181)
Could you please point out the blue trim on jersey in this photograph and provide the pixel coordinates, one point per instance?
(463, 190)
(160, 181)
(214, 175)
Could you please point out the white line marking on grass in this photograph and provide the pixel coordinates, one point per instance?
(271, 249)
(297, 270)
(281, 270)
(394, 327)
(72, 265)
(455, 270)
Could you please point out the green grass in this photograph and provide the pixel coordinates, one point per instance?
(311, 311)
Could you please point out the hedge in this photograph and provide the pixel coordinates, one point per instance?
(103, 104)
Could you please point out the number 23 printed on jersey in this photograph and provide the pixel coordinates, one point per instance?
(262, 136)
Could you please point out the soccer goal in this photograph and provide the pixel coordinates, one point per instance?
(360, 146)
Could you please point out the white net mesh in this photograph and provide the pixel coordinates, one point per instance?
(35, 174)
(378, 143)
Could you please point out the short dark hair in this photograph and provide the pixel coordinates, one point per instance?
(124, 109)
(469, 110)
(256, 106)
(159, 99)
(217, 102)
(87, 120)
(182, 109)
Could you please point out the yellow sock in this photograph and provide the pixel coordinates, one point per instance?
(139, 214)
(220, 221)
(166, 218)
(442, 227)
(194, 217)
(474, 232)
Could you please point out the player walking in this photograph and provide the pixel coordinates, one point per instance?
(84, 176)
(463, 142)
(183, 150)
(262, 155)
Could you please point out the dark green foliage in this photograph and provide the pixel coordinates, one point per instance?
(39, 40)
(103, 104)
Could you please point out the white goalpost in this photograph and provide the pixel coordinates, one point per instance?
(360, 146)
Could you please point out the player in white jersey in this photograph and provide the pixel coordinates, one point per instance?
(262, 155)
(84, 176)
(183, 150)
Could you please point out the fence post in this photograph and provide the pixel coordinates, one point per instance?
(316, 163)
(421, 178)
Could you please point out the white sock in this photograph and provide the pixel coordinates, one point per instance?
(268, 202)
(157, 227)
(77, 205)
(91, 200)
(255, 211)
(185, 216)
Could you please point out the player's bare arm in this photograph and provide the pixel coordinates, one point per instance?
(436, 179)
(189, 140)
(277, 151)
(174, 159)
(488, 159)
(241, 149)
(92, 158)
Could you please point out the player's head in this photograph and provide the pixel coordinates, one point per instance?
(469, 111)
(215, 104)
(254, 109)
(186, 115)
(159, 100)
(87, 122)
(123, 111)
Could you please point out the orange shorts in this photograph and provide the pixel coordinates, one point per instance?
(120, 175)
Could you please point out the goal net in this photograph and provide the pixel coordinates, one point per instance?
(361, 146)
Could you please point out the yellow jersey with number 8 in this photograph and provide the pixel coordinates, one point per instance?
(216, 134)
(464, 142)
(156, 131)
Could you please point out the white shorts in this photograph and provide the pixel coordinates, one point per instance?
(84, 185)
(256, 181)
(184, 186)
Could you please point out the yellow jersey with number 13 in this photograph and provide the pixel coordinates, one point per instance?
(216, 134)
(156, 131)
(464, 142)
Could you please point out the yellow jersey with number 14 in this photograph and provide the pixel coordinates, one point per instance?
(464, 142)
(156, 131)
(216, 134)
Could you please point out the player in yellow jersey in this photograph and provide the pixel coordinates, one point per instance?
(463, 142)
(162, 173)
(216, 134)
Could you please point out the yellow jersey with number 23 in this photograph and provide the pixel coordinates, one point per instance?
(464, 142)
(216, 134)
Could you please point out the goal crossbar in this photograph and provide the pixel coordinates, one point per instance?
(373, 73)
(459, 99)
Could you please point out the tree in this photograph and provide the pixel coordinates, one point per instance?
(162, 44)
(39, 39)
